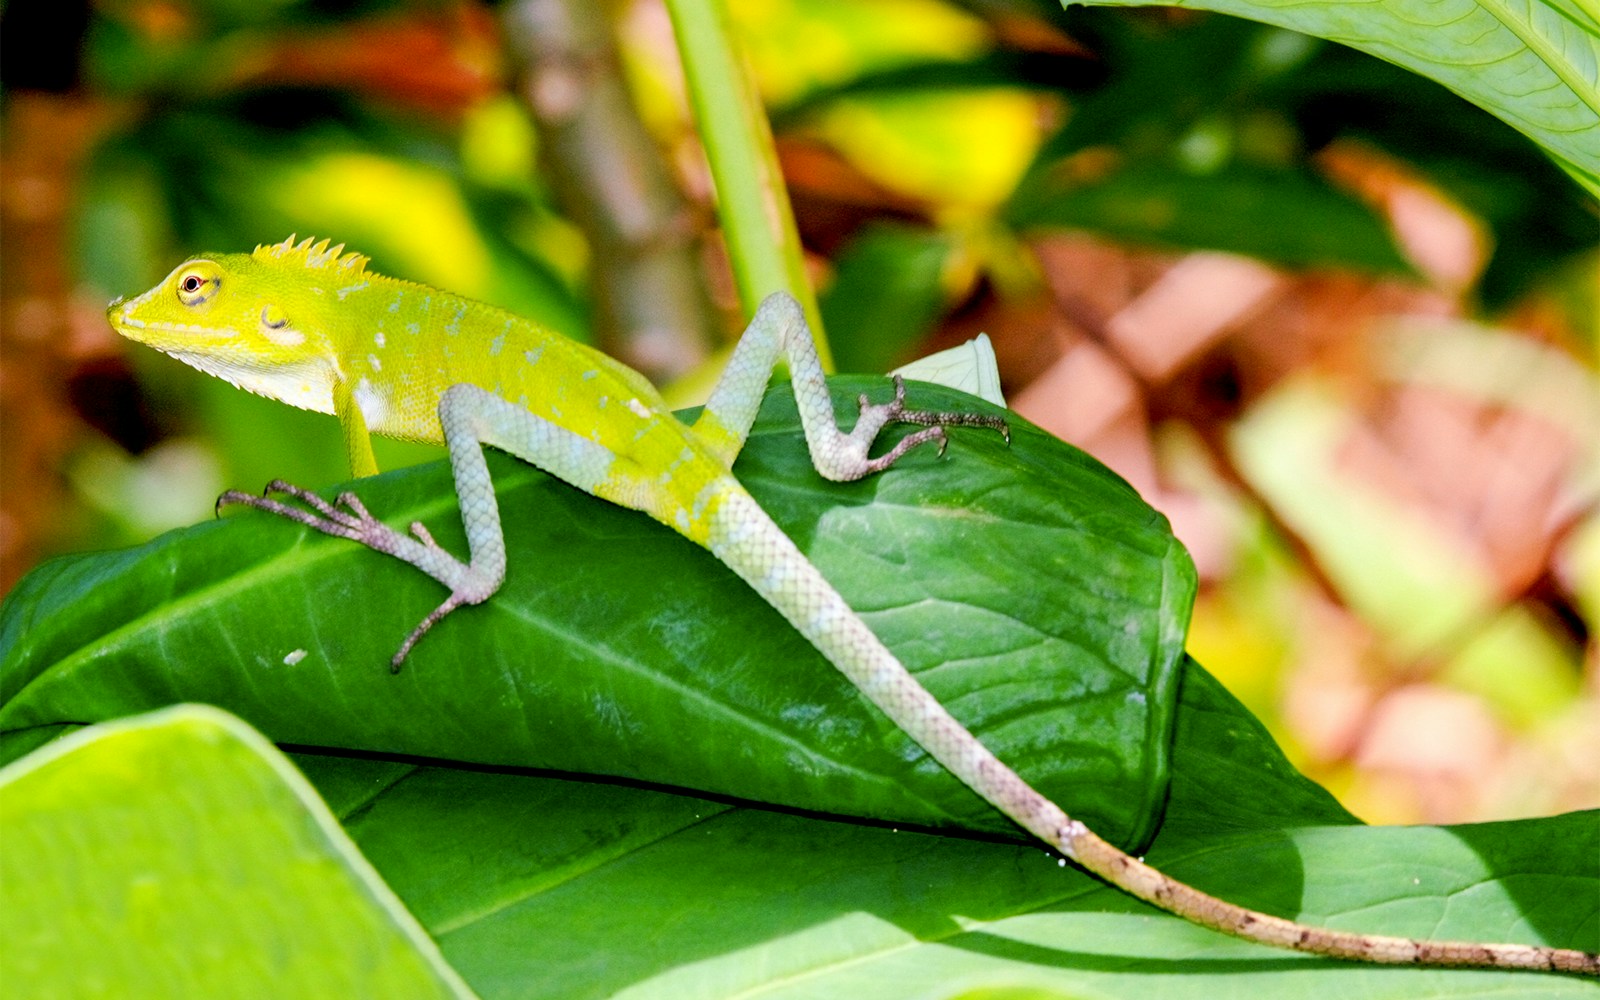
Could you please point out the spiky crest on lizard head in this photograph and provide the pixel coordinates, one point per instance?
(309, 253)
(262, 321)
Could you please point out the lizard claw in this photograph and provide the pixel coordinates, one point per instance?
(875, 415)
(455, 600)
(353, 522)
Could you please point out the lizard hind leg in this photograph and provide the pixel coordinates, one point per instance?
(875, 416)
(779, 329)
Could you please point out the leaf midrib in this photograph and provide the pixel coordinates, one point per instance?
(1539, 45)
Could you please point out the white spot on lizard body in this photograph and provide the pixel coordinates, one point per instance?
(283, 336)
(374, 405)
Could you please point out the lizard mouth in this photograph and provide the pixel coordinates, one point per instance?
(119, 316)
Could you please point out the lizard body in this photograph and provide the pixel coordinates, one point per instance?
(309, 325)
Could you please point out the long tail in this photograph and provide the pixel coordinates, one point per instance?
(755, 548)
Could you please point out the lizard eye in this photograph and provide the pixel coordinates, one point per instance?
(199, 283)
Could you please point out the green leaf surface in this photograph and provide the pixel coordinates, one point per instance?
(1534, 65)
(670, 900)
(1032, 591)
(1286, 216)
(887, 294)
(536, 886)
(180, 855)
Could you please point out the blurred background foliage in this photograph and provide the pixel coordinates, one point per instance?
(1337, 323)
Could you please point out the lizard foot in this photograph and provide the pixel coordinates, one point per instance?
(874, 416)
(348, 517)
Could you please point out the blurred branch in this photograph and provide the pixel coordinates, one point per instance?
(752, 201)
(652, 309)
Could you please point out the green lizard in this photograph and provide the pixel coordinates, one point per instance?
(308, 324)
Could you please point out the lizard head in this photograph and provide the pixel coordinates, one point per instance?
(255, 320)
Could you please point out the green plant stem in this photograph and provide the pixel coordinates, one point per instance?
(752, 202)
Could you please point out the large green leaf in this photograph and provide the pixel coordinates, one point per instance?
(1031, 589)
(543, 887)
(180, 855)
(537, 888)
(1532, 64)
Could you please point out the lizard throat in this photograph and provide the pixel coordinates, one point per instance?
(306, 385)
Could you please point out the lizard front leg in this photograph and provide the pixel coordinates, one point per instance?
(357, 439)
(346, 517)
(471, 418)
